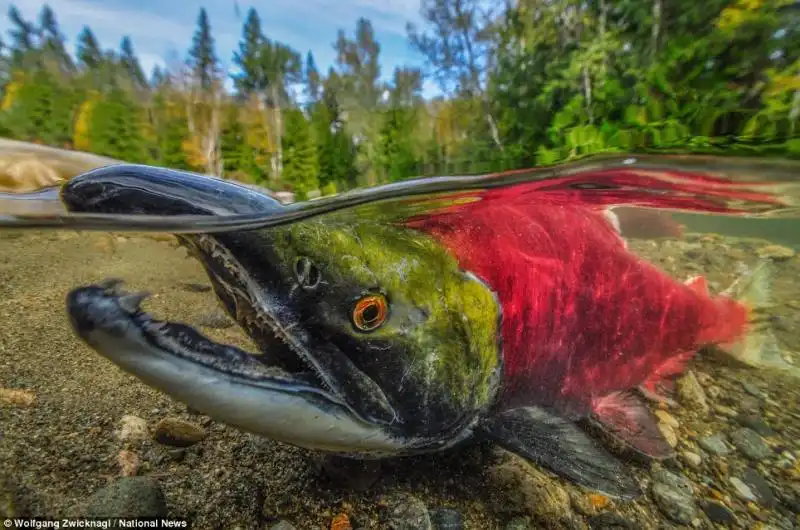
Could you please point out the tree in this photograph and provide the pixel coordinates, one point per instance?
(202, 57)
(300, 171)
(130, 64)
(312, 79)
(88, 50)
(361, 95)
(52, 41)
(115, 127)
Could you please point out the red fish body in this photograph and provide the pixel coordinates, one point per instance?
(584, 319)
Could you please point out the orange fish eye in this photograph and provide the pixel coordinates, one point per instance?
(370, 312)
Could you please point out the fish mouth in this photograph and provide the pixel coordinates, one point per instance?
(222, 381)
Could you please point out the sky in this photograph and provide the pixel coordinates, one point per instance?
(161, 30)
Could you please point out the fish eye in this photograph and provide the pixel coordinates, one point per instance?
(307, 274)
(370, 312)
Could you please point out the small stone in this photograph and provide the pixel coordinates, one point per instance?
(177, 432)
(750, 404)
(523, 488)
(129, 497)
(128, 463)
(10, 397)
(713, 391)
(132, 429)
(752, 389)
(775, 252)
(408, 513)
(759, 487)
(722, 410)
(691, 394)
(750, 444)
(282, 525)
(581, 503)
(714, 444)
(666, 417)
(214, 320)
(446, 519)
(674, 481)
(753, 421)
(341, 522)
(519, 523)
(611, 521)
(669, 434)
(693, 460)
(676, 505)
(195, 287)
(742, 490)
(718, 512)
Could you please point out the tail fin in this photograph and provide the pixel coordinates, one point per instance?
(759, 347)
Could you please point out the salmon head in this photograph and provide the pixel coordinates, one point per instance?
(372, 339)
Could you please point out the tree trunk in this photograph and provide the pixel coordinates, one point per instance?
(278, 164)
(656, 33)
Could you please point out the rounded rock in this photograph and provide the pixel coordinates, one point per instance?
(677, 506)
(128, 497)
(178, 433)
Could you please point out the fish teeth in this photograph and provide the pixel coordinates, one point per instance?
(131, 303)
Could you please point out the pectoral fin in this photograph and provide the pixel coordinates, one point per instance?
(561, 446)
(627, 418)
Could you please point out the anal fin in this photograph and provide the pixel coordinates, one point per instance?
(561, 446)
(625, 417)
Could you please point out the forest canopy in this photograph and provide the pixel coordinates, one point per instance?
(524, 82)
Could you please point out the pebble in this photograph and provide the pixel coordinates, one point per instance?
(282, 525)
(759, 487)
(523, 488)
(775, 252)
(129, 497)
(693, 460)
(714, 444)
(128, 463)
(718, 512)
(446, 519)
(669, 434)
(214, 320)
(722, 410)
(195, 287)
(519, 523)
(341, 522)
(691, 394)
(177, 432)
(742, 490)
(10, 397)
(676, 505)
(407, 512)
(611, 521)
(666, 417)
(674, 481)
(752, 389)
(132, 429)
(753, 421)
(750, 444)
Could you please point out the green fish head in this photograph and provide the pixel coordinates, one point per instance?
(378, 314)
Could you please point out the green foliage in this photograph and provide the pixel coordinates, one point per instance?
(300, 167)
(526, 83)
(115, 128)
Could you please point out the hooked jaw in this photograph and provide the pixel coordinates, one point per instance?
(222, 381)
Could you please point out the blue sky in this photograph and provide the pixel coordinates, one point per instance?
(161, 30)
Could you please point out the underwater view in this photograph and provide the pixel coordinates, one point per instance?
(546, 276)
